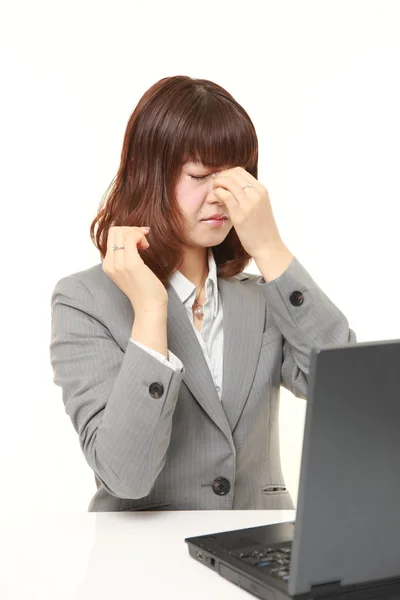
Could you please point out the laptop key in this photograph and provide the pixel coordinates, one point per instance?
(250, 560)
(279, 572)
(279, 556)
(264, 554)
(264, 563)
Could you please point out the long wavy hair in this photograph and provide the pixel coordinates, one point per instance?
(178, 119)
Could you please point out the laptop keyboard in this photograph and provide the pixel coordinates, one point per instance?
(274, 561)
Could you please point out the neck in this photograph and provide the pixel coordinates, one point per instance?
(195, 265)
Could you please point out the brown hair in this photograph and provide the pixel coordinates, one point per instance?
(178, 119)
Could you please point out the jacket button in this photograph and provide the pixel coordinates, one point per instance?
(296, 298)
(221, 486)
(156, 389)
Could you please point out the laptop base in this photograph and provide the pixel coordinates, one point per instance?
(242, 556)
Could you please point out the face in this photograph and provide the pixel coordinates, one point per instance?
(198, 203)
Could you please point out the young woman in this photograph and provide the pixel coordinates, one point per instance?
(169, 357)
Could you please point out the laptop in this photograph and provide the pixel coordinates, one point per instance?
(345, 541)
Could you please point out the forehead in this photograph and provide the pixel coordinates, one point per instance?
(191, 163)
(199, 165)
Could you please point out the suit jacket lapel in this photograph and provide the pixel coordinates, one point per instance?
(243, 323)
(182, 341)
(243, 320)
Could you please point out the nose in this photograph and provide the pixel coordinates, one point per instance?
(211, 197)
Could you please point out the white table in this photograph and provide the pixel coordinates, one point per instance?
(113, 556)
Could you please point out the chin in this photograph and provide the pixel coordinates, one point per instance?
(211, 240)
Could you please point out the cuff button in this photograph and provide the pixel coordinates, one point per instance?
(296, 298)
(156, 389)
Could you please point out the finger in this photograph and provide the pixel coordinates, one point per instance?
(144, 229)
(143, 242)
(243, 177)
(119, 254)
(234, 182)
(233, 186)
(110, 240)
(240, 176)
(116, 238)
(134, 226)
(233, 206)
(133, 238)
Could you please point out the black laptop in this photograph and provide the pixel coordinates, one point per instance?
(345, 541)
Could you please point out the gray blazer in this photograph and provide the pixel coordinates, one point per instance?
(158, 439)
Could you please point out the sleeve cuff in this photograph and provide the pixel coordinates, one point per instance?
(172, 361)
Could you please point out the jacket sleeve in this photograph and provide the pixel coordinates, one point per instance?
(124, 431)
(313, 323)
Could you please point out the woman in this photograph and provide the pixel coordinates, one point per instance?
(169, 357)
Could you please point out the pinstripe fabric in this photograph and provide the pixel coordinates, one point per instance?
(210, 336)
(165, 453)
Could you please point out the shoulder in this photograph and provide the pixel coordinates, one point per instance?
(84, 283)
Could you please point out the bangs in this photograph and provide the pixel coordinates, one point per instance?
(178, 120)
(217, 134)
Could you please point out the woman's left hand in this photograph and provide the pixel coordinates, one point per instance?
(249, 210)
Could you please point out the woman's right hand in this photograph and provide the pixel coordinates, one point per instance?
(129, 272)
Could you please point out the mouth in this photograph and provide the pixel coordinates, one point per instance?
(215, 218)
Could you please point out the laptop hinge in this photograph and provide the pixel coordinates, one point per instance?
(325, 589)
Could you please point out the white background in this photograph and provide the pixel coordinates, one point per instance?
(320, 80)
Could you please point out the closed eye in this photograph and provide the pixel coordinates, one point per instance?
(202, 177)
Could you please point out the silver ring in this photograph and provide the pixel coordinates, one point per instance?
(118, 247)
(246, 185)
